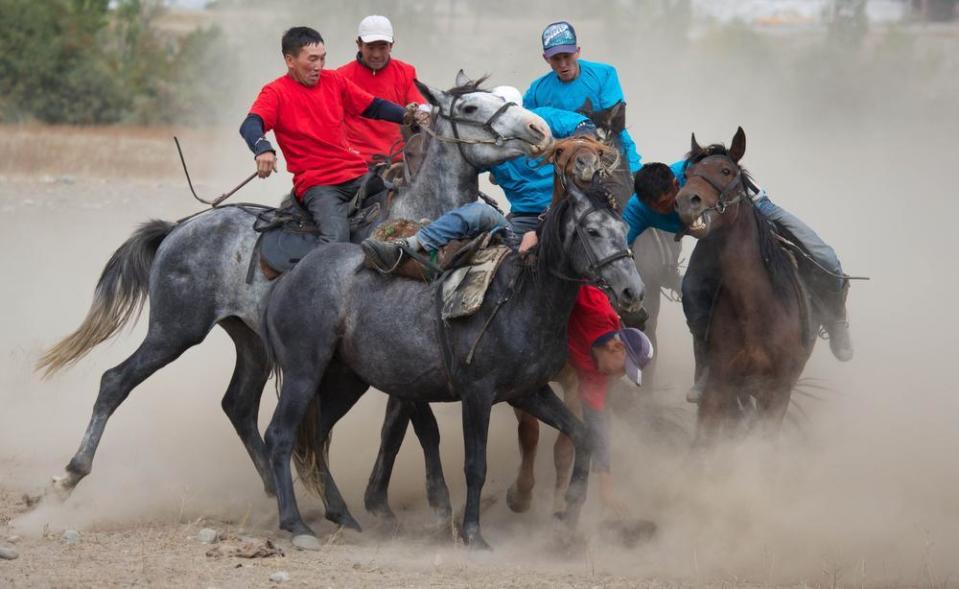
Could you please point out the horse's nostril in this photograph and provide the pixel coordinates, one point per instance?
(695, 200)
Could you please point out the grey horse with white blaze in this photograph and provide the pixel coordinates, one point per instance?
(195, 272)
(337, 329)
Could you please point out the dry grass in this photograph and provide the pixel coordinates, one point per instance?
(114, 152)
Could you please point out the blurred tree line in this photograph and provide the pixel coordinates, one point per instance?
(103, 61)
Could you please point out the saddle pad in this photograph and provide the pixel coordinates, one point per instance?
(465, 288)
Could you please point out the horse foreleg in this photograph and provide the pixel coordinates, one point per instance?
(547, 407)
(563, 449)
(428, 433)
(241, 403)
(154, 353)
(520, 494)
(477, 404)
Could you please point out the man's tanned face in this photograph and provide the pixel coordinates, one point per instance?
(565, 65)
(305, 66)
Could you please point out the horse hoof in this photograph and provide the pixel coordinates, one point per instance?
(478, 543)
(307, 542)
(518, 501)
(60, 488)
(345, 520)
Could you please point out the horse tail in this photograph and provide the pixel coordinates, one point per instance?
(311, 456)
(120, 294)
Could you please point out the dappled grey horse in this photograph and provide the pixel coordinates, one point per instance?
(195, 272)
(337, 329)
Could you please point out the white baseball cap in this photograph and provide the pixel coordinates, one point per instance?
(375, 28)
(508, 94)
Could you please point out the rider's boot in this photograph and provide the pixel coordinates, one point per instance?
(835, 324)
(386, 254)
(695, 393)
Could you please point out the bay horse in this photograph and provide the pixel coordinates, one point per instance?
(195, 275)
(762, 330)
(336, 329)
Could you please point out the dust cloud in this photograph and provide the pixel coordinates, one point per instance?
(855, 136)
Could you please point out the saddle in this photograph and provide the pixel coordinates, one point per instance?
(465, 268)
(287, 233)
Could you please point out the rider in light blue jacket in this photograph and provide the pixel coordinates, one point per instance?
(573, 80)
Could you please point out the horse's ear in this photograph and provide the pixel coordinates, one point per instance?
(428, 93)
(617, 117)
(738, 148)
(586, 108)
(462, 79)
(694, 148)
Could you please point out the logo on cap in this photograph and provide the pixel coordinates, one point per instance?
(559, 37)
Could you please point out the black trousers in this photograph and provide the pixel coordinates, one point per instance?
(330, 209)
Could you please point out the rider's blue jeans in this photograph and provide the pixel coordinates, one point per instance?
(463, 222)
(808, 239)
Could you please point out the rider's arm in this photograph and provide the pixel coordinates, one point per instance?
(384, 110)
(564, 123)
(252, 132)
(636, 219)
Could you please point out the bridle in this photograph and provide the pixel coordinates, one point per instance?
(596, 263)
(723, 201)
(497, 139)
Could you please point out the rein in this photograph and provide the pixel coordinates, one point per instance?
(498, 139)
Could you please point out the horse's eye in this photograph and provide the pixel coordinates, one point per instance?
(592, 232)
(727, 171)
(469, 109)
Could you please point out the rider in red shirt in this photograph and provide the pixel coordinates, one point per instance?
(600, 349)
(305, 109)
(383, 76)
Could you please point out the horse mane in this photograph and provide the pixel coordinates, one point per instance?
(552, 238)
(469, 87)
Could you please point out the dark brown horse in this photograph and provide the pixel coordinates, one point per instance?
(760, 334)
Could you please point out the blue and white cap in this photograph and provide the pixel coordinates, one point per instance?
(639, 352)
(559, 37)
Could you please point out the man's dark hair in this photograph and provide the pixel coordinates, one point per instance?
(299, 37)
(652, 181)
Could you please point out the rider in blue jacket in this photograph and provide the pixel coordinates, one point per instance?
(573, 80)
(656, 187)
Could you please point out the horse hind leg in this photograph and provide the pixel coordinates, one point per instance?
(241, 403)
(338, 392)
(158, 349)
(519, 497)
(395, 421)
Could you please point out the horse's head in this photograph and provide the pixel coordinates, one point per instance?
(486, 129)
(583, 236)
(581, 160)
(715, 185)
(610, 122)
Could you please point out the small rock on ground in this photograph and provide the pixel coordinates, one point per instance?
(7, 553)
(306, 542)
(207, 536)
(13, 539)
(71, 536)
(280, 577)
